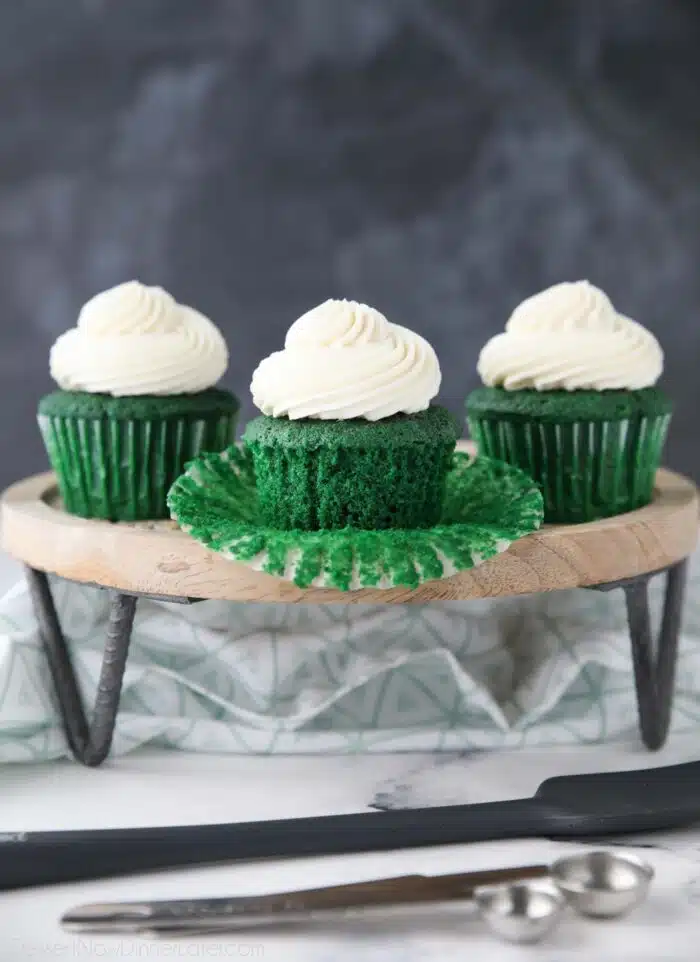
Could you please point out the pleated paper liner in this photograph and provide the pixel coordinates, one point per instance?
(586, 469)
(122, 470)
(488, 506)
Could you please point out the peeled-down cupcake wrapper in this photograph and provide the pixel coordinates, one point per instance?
(488, 505)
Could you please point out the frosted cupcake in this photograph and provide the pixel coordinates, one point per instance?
(348, 435)
(137, 401)
(570, 397)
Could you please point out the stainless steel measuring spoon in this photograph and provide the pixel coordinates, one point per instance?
(520, 912)
(595, 884)
(602, 884)
(514, 902)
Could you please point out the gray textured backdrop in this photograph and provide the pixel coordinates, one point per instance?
(439, 159)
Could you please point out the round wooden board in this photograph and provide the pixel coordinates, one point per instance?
(156, 558)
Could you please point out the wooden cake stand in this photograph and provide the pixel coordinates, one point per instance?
(158, 561)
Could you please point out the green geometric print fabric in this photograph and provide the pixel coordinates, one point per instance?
(259, 678)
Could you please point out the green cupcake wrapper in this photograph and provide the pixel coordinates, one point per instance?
(586, 469)
(487, 506)
(122, 470)
(317, 490)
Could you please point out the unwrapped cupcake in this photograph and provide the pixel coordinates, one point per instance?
(570, 397)
(137, 401)
(348, 436)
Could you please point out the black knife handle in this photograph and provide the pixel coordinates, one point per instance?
(564, 807)
(666, 792)
(45, 858)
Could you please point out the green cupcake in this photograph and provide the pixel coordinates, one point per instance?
(137, 401)
(348, 436)
(570, 398)
(362, 474)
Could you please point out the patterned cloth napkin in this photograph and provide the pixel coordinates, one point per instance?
(264, 678)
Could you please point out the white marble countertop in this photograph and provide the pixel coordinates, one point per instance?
(166, 788)
(151, 788)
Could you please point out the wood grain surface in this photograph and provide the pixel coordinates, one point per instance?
(157, 558)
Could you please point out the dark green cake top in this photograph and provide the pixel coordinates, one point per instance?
(434, 424)
(566, 406)
(83, 404)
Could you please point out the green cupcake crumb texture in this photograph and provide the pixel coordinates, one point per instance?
(567, 406)
(435, 424)
(316, 475)
(83, 404)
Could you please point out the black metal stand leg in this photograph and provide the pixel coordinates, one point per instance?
(655, 664)
(89, 743)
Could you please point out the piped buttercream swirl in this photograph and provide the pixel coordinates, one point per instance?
(567, 338)
(134, 339)
(345, 360)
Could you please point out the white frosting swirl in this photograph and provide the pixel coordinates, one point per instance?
(134, 339)
(567, 338)
(344, 360)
